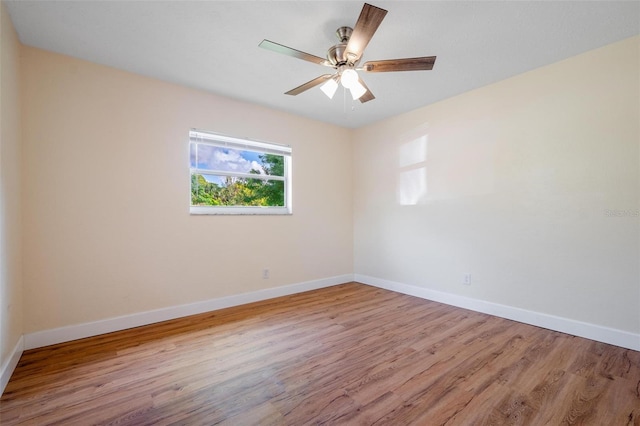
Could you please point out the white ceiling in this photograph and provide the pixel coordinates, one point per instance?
(213, 45)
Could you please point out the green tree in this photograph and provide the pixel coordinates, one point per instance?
(272, 191)
(203, 193)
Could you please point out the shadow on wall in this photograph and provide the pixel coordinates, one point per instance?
(442, 168)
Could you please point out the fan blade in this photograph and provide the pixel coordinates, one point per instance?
(424, 63)
(309, 84)
(368, 22)
(279, 48)
(368, 96)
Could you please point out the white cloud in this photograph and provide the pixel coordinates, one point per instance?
(257, 167)
(225, 160)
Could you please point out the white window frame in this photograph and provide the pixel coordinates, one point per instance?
(214, 139)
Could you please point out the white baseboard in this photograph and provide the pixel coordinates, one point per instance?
(599, 333)
(80, 331)
(10, 364)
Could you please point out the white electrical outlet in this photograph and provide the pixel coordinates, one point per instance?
(466, 279)
(265, 274)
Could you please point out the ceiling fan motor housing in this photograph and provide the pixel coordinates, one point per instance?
(336, 54)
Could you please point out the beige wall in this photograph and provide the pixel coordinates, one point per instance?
(106, 202)
(10, 217)
(514, 183)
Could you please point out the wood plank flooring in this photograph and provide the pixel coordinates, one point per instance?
(349, 354)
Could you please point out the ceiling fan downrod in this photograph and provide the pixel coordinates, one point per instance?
(344, 33)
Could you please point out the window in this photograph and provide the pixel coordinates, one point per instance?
(238, 176)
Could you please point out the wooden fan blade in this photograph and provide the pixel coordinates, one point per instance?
(368, 96)
(424, 63)
(279, 48)
(309, 84)
(368, 22)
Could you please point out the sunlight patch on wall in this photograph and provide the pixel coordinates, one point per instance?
(444, 163)
(412, 163)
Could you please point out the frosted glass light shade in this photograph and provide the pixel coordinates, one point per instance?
(349, 78)
(329, 88)
(357, 90)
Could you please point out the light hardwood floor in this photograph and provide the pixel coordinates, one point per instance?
(349, 354)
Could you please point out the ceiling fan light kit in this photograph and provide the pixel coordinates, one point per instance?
(357, 90)
(345, 56)
(329, 88)
(348, 78)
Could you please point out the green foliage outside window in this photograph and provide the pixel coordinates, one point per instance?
(242, 191)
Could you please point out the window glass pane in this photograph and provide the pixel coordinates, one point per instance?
(220, 190)
(192, 155)
(235, 160)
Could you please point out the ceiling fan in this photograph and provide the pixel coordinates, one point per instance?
(345, 56)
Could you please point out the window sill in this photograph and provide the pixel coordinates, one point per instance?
(205, 210)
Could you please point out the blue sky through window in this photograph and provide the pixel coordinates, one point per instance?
(224, 160)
